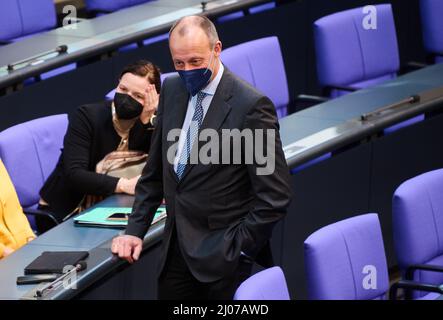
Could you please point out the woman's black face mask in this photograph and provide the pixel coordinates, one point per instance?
(126, 107)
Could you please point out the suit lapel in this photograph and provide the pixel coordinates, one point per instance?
(176, 120)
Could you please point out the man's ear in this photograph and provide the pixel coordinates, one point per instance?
(218, 48)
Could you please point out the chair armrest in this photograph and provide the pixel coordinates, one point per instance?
(412, 66)
(303, 101)
(424, 267)
(417, 65)
(328, 89)
(412, 285)
(310, 98)
(47, 215)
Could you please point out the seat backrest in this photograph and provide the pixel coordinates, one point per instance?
(37, 15)
(269, 284)
(260, 63)
(19, 18)
(432, 25)
(30, 152)
(417, 215)
(346, 260)
(10, 20)
(348, 52)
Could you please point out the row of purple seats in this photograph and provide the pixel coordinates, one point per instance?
(20, 19)
(346, 260)
(430, 11)
(340, 256)
(336, 256)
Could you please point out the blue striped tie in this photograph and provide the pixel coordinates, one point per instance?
(197, 120)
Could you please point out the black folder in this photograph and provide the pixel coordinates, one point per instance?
(55, 261)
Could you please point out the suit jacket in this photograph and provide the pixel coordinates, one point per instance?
(89, 138)
(218, 210)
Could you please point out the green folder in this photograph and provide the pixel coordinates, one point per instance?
(98, 217)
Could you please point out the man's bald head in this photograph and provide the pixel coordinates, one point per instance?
(187, 26)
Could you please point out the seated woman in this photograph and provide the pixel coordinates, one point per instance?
(14, 226)
(95, 136)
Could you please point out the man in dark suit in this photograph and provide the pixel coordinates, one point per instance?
(220, 214)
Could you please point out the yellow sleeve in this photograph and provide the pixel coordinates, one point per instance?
(14, 225)
(2, 246)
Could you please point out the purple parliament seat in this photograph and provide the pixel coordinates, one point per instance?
(260, 63)
(346, 261)
(269, 284)
(20, 18)
(351, 56)
(432, 25)
(418, 228)
(339, 256)
(30, 151)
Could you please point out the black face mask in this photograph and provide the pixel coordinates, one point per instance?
(126, 107)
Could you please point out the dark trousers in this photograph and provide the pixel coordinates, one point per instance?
(176, 281)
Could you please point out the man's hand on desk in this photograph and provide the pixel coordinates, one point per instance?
(127, 247)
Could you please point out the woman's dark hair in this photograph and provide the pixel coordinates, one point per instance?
(145, 69)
